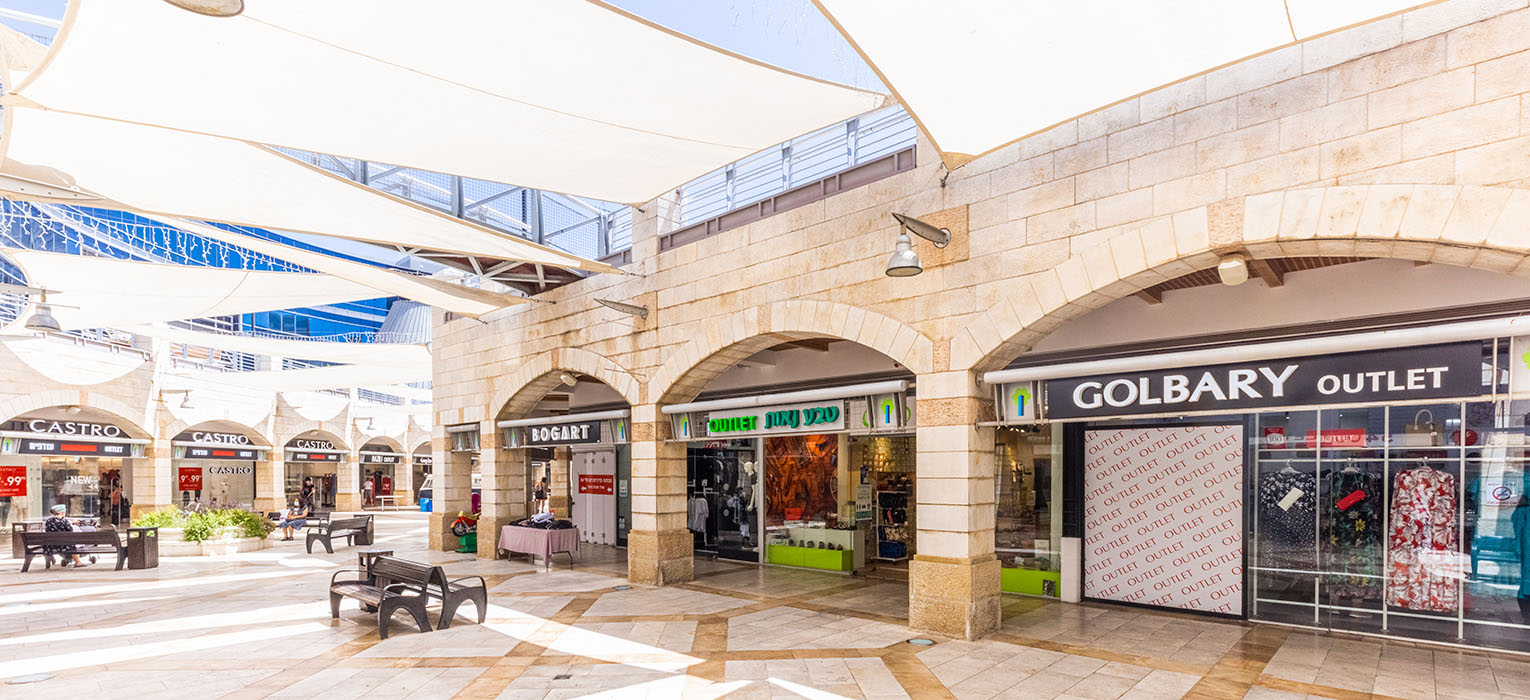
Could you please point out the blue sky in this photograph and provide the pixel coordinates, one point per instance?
(791, 34)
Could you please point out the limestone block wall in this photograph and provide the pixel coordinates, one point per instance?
(1405, 137)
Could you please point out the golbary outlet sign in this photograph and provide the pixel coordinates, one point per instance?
(1451, 370)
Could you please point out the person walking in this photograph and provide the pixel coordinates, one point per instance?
(540, 495)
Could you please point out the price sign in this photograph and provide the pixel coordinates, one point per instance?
(189, 479)
(13, 481)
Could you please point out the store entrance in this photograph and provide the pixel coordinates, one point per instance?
(722, 512)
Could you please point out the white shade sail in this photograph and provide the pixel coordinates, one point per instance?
(572, 96)
(167, 173)
(113, 293)
(405, 356)
(979, 74)
(441, 294)
(315, 378)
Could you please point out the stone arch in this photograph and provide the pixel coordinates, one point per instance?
(719, 343)
(518, 392)
(222, 426)
(82, 397)
(317, 433)
(425, 443)
(392, 443)
(1484, 228)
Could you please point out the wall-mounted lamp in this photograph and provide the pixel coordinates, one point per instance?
(567, 379)
(1232, 269)
(185, 397)
(904, 261)
(631, 309)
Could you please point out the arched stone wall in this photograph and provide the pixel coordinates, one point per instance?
(178, 427)
(520, 391)
(80, 397)
(1484, 228)
(728, 339)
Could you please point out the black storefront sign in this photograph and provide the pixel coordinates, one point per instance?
(424, 460)
(380, 459)
(32, 446)
(239, 453)
(1451, 370)
(577, 433)
(299, 456)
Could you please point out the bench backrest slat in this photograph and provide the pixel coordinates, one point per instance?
(357, 523)
(59, 538)
(403, 571)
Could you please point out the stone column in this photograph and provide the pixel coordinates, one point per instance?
(348, 484)
(557, 484)
(153, 479)
(658, 546)
(451, 490)
(954, 576)
(504, 491)
(271, 481)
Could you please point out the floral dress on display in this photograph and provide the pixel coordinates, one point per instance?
(1422, 543)
(1352, 534)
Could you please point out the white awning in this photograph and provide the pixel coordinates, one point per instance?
(572, 96)
(392, 354)
(980, 74)
(113, 293)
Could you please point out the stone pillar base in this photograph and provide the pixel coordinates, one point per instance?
(348, 502)
(441, 537)
(488, 534)
(660, 558)
(267, 505)
(956, 598)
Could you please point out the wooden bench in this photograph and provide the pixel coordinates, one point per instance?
(356, 530)
(96, 542)
(390, 585)
(452, 593)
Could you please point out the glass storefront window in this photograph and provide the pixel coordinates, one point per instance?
(1407, 520)
(1027, 497)
(885, 464)
(722, 512)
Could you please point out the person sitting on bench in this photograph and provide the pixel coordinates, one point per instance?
(294, 519)
(58, 523)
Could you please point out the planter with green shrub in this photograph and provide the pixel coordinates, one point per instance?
(207, 531)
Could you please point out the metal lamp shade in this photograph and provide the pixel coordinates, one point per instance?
(904, 261)
(43, 320)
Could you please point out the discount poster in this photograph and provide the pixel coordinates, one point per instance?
(13, 481)
(1163, 516)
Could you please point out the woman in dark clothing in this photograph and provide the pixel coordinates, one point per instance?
(58, 523)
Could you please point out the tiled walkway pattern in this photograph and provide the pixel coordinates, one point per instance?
(257, 626)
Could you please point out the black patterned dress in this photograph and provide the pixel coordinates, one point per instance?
(1351, 552)
(58, 524)
(1287, 528)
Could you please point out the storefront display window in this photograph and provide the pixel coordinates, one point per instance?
(1396, 520)
(886, 465)
(1027, 516)
(722, 510)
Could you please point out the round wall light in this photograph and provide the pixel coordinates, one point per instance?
(1233, 269)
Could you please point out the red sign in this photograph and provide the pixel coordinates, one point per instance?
(189, 479)
(793, 514)
(13, 481)
(1274, 437)
(1354, 437)
(597, 484)
(387, 486)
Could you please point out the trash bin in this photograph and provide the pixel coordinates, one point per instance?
(424, 505)
(468, 544)
(370, 536)
(143, 547)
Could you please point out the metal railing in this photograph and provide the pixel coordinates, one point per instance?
(802, 160)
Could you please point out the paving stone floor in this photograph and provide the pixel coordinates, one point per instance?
(257, 625)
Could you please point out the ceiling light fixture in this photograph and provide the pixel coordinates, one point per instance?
(1233, 269)
(73, 410)
(634, 310)
(567, 379)
(211, 8)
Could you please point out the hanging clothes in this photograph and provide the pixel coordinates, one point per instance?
(699, 512)
(1422, 542)
(1521, 524)
(1351, 551)
(1287, 520)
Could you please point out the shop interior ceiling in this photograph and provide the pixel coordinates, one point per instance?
(1271, 271)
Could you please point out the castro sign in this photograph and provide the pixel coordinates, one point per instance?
(1430, 372)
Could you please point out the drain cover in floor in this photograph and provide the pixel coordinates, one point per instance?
(33, 678)
(563, 676)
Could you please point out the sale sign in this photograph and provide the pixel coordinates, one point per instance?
(597, 484)
(13, 481)
(1163, 516)
(189, 479)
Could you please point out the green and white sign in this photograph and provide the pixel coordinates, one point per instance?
(819, 417)
(1017, 402)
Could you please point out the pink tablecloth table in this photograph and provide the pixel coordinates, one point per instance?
(536, 541)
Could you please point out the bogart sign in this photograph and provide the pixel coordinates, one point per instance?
(1430, 372)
